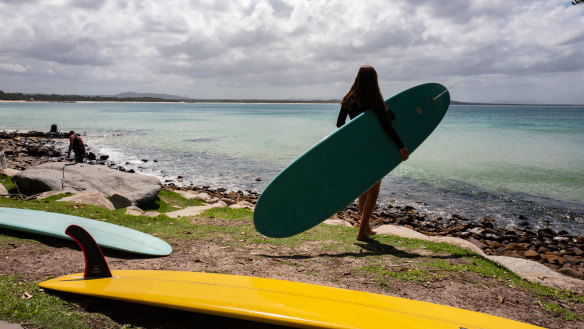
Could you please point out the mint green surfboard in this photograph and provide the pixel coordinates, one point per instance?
(105, 234)
(346, 163)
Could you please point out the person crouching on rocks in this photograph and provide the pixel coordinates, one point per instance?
(76, 144)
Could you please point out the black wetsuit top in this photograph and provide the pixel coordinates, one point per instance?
(385, 118)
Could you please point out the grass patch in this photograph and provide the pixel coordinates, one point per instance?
(402, 272)
(8, 184)
(23, 302)
(228, 213)
(168, 201)
(560, 311)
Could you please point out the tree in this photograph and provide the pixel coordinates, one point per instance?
(577, 2)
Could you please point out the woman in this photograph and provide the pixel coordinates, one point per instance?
(365, 95)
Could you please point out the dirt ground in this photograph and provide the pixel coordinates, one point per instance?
(37, 258)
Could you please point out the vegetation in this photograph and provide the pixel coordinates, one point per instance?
(387, 262)
(73, 98)
(168, 201)
(78, 98)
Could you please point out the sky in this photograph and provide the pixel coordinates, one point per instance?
(482, 50)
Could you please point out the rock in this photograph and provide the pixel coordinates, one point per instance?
(545, 233)
(477, 231)
(338, 222)
(3, 190)
(494, 245)
(575, 251)
(228, 201)
(120, 201)
(134, 211)
(219, 204)
(92, 198)
(574, 260)
(553, 258)
(9, 172)
(242, 204)
(513, 253)
(139, 189)
(212, 200)
(531, 254)
(47, 194)
(195, 195)
(517, 246)
(477, 243)
(488, 222)
(569, 271)
(152, 214)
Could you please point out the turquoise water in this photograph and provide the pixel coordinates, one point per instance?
(496, 161)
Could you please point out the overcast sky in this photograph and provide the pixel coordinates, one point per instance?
(482, 50)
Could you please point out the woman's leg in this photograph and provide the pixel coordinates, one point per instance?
(361, 203)
(367, 202)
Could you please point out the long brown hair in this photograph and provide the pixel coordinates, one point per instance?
(365, 91)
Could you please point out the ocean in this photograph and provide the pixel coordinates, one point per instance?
(515, 164)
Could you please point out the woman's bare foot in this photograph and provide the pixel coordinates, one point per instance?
(363, 237)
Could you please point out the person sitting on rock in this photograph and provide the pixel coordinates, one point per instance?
(76, 144)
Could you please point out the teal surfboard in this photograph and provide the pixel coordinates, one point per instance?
(105, 234)
(346, 163)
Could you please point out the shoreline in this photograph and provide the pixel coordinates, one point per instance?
(559, 251)
(195, 101)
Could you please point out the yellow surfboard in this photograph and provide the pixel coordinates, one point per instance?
(271, 301)
(275, 301)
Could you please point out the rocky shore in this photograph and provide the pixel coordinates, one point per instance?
(560, 251)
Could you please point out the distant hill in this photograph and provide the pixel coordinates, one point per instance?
(131, 94)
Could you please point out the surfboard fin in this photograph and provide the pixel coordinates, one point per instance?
(95, 264)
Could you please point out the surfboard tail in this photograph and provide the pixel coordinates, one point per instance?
(95, 264)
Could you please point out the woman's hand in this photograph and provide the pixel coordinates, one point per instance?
(405, 154)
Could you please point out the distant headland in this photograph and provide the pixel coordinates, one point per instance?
(166, 98)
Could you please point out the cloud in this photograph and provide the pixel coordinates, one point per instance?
(286, 48)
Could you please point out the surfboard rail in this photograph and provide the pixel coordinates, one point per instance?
(106, 234)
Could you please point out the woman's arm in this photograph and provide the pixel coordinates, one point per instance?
(391, 132)
(342, 117)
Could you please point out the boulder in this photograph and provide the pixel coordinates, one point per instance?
(120, 201)
(92, 198)
(139, 189)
